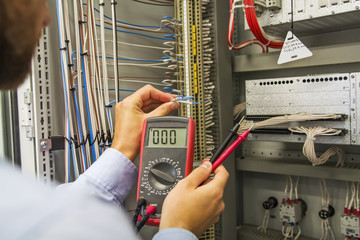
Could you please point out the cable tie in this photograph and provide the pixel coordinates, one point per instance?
(63, 49)
(102, 4)
(68, 140)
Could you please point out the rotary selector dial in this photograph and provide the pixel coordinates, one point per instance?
(160, 176)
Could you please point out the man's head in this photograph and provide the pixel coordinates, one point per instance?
(21, 23)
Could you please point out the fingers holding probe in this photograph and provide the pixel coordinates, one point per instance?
(196, 207)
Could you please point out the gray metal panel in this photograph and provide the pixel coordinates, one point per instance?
(315, 94)
(224, 84)
(328, 55)
(298, 167)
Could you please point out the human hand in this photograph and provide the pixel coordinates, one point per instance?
(193, 207)
(131, 113)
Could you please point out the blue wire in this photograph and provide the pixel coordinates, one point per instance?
(87, 104)
(112, 102)
(108, 112)
(140, 34)
(65, 88)
(124, 90)
(131, 24)
(110, 89)
(72, 59)
(135, 59)
(80, 130)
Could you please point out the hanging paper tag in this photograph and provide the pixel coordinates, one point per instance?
(293, 49)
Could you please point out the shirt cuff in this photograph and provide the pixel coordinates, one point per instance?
(175, 234)
(112, 174)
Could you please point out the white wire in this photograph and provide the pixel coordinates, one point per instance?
(80, 79)
(141, 45)
(291, 188)
(265, 222)
(296, 188)
(286, 189)
(299, 232)
(352, 196)
(297, 117)
(347, 195)
(309, 148)
(66, 89)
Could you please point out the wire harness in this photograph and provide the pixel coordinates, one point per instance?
(309, 145)
(325, 213)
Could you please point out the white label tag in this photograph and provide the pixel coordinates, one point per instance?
(293, 50)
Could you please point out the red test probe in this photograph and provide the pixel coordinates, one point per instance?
(230, 149)
(222, 152)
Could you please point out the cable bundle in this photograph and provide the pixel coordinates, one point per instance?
(325, 202)
(352, 206)
(256, 29)
(265, 222)
(309, 148)
(86, 65)
(262, 39)
(231, 44)
(297, 117)
(238, 109)
(288, 231)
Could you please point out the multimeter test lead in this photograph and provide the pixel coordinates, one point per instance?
(233, 132)
(149, 211)
(222, 153)
(140, 204)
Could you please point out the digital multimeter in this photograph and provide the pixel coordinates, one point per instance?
(167, 149)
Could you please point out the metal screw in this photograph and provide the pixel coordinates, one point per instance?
(332, 12)
(352, 76)
(357, 7)
(311, 5)
(43, 144)
(352, 109)
(310, 16)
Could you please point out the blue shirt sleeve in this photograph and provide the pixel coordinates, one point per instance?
(110, 178)
(175, 234)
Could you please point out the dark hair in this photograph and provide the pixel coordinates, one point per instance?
(17, 42)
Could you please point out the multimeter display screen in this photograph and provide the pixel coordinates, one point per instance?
(167, 137)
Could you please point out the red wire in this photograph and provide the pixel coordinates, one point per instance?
(255, 27)
(231, 34)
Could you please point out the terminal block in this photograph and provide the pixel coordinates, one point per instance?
(274, 5)
(350, 226)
